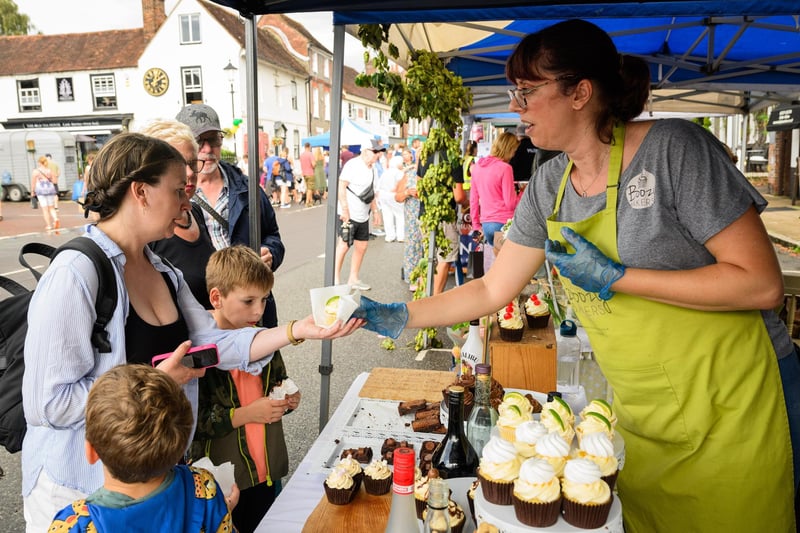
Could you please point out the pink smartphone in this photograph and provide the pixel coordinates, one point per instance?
(204, 356)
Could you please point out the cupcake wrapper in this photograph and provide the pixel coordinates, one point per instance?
(611, 480)
(421, 505)
(377, 487)
(511, 335)
(585, 516)
(496, 492)
(537, 514)
(537, 322)
(339, 496)
(357, 479)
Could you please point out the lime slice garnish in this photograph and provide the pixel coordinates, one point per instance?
(332, 305)
(604, 404)
(555, 415)
(564, 404)
(515, 408)
(600, 417)
(513, 394)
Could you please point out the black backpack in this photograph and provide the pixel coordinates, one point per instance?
(14, 327)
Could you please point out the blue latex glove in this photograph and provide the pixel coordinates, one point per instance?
(388, 320)
(588, 268)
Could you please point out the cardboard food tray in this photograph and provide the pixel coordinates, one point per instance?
(401, 384)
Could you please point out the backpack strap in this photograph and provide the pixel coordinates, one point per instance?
(12, 287)
(106, 300)
(38, 248)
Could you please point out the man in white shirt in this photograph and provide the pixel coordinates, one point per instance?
(355, 182)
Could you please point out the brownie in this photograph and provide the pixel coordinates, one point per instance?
(362, 455)
(426, 450)
(427, 425)
(390, 445)
(537, 407)
(411, 406)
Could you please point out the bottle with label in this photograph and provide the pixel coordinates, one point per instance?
(568, 353)
(472, 351)
(483, 416)
(454, 456)
(437, 517)
(403, 513)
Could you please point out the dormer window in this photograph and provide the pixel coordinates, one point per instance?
(190, 28)
(28, 95)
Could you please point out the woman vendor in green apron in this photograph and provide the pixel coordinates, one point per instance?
(658, 242)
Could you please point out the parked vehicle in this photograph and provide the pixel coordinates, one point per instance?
(19, 150)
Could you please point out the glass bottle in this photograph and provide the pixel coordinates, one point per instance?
(483, 416)
(437, 517)
(568, 353)
(454, 456)
(403, 513)
(472, 351)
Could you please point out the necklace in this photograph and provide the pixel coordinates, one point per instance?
(584, 190)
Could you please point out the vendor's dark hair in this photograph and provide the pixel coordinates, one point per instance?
(574, 50)
(127, 157)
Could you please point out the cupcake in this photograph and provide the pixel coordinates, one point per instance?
(498, 469)
(353, 467)
(598, 448)
(339, 487)
(602, 407)
(421, 491)
(536, 312)
(553, 449)
(513, 410)
(586, 499)
(557, 417)
(457, 517)
(537, 494)
(597, 416)
(471, 500)
(377, 478)
(525, 437)
(509, 320)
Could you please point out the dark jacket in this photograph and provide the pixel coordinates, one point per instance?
(239, 226)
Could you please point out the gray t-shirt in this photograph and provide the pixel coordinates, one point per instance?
(679, 190)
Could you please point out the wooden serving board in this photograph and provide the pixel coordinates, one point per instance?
(403, 384)
(365, 514)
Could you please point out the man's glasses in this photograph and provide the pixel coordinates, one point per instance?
(196, 164)
(214, 141)
(519, 95)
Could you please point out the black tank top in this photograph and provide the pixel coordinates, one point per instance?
(143, 341)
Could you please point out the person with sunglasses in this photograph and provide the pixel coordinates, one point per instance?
(222, 192)
(657, 238)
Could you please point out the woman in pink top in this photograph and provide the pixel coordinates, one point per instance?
(492, 197)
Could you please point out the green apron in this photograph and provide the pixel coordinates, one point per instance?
(698, 396)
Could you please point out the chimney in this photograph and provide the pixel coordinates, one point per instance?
(153, 16)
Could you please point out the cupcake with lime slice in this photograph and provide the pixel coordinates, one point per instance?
(594, 422)
(509, 418)
(602, 407)
(331, 309)
(557, 417)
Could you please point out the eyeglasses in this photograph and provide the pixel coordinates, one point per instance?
(196, 164)
(214, 141)
(519, 95)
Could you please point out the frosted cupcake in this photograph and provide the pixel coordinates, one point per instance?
(498, 469)
(339, 487)
(513, 410)
(421, 491)
(509, 320)
(553, 449)
(557, 416)
(586, 499)
(596, 417)
(457, 517)
(537, 494)
(377, 477)
(536, 312)
(525, 437)
(599, 449)
(352, 467)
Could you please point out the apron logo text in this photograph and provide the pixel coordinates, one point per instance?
(641, 190)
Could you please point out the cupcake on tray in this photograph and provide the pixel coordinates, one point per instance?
(557, 416)
(586, 499)
(352, 467)
(498, 469)
(421, 491)
(377, 477)
(536, 312)
(457, 516)
(339, 487)
(537, 494)
(509, 320)
(597, 416)
(513, 411)
(525, 437)
(598, 448)
(553, 449)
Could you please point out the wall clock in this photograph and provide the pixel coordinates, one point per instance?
(155, 81)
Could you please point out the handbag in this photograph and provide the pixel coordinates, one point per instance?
(366, 196)
(34, 202)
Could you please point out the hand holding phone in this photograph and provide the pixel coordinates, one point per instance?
(205, 356)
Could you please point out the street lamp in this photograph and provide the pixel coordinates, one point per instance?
(230, 70)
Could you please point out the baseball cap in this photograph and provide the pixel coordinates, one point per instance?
(373, 144)
(200, 118)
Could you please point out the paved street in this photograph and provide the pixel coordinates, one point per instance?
(303, 232)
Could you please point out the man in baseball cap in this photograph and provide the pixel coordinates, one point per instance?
(201, 118)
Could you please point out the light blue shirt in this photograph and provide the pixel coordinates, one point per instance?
(61, 364)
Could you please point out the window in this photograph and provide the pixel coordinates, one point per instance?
(190, 28)
(326, 67)
(381, 117)
(104, 91)
(315, 63)
(351, 110)
(296, 140)
(294, 95)
(327, 104)
(315, 103)
(192, 85)
(28, 94)
(368, 114)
